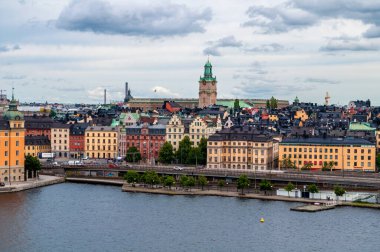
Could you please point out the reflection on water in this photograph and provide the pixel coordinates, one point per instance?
(80, 217)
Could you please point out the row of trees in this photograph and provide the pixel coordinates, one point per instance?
(288, 163)
(272, 103)
(186, 153)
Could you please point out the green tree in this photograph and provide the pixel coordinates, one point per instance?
(273, 103)
(133, 155)
(307, 166)
(339, 191)
(32, 165)
(183, 180)
(132, 177)
(202, 146)
(202, 181)
(169, 181)
(221, 183)
(152, 178)
(237, 105)
(265, 186)
(52, 114)
(289, 187)
(184, 150)
(312, 188)
(166, 154)
(190, 182)
(242, 183)
(287, 163)
(193, 156)
(378, 161)
(268, 104)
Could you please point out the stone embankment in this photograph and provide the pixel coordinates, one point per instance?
(43, 180)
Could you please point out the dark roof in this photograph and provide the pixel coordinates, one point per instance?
(326, 141)
(37, 140)
(241, 134)
(38, 122)
(78, 129)
(4, 125)
(60, 125)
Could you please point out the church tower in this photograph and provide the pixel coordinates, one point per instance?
(207, 87)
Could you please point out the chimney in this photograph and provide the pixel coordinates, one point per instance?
(126, 92)
(105, 96)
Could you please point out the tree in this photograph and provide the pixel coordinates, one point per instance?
(52, 113)
(190, 182)
(378, 161)
(328, 166)
(289, 187)
(193, 156)
(287, 163)
(237, 105)
(184, 149)
(151, 178)
(242, 183)
(265, 186)
(166, 154)
(339, 191)
(202, 181)
(202, 146)
(183, 181)
(32, 164)
(169, 181)
(133, 155)
(307, 166)
(273, 103)
(131, 177)
(221, 183)
(312, 188)
(268, 104)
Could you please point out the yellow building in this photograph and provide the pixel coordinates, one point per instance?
(242, 148)
(12, 135)
(37, 144)
(175, 131)
(343, 153)
(101, 142)
(301, 114)
(378, 140)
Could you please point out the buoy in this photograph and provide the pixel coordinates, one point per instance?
(262, 220)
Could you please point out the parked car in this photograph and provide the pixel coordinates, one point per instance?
(113, 166)
(178, 168)
(55, 164)
(74, 162)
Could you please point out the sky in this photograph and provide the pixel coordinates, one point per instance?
(69, 51)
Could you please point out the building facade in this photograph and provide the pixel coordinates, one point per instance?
(242, 148)
(175, 131)
(343, 153)
(207, 87)
(101, 142)
(37, 144)
(76, 140)
(12, 144)
(148, 139)
(38, 126)
(60, 140)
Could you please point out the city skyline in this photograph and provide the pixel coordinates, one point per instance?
(63, 51)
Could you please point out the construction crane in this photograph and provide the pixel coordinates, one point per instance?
(327, 99)
(1, 94)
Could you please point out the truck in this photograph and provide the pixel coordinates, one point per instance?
(45, 155)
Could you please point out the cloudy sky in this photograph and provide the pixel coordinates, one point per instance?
(70, 50)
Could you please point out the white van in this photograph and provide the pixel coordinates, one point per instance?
(74, 162)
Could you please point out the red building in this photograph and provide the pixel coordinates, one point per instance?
(38, 126)
(77, 140)
(147, 138)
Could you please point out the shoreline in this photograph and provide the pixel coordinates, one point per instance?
(43, 181)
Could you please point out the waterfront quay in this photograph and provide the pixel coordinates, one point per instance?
(370, 181)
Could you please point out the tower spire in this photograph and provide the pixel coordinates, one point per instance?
(13, 93)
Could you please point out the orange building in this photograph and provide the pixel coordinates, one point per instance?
(12, 143)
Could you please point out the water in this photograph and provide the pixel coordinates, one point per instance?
(81, 217)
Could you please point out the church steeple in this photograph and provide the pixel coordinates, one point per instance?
(207, 75)
(207, 87)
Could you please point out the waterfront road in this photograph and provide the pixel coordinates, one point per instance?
(371, 180)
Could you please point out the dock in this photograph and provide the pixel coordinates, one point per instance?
(312, 208)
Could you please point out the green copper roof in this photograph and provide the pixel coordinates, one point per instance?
(207, 75)
(361, 127)
(230, 104)
(12, 113)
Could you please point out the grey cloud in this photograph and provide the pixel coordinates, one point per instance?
(229, 41)
(321, 81)
(99, 16)
(372, 32)
(273, 47)
(295, 14)
(7, 48)
(349, 46)
(14, 77)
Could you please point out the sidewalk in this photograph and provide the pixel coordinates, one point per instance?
(43, 180)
